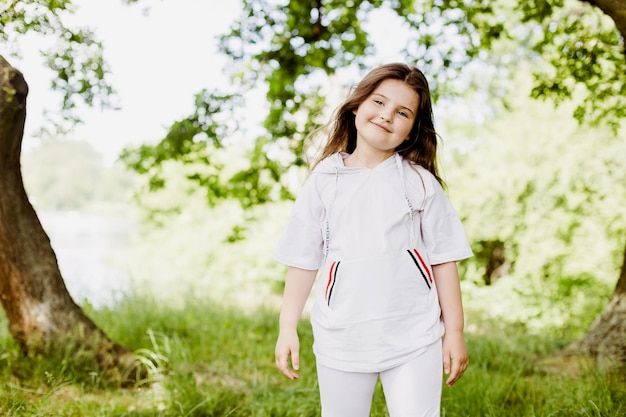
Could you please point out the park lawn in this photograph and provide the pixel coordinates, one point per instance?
(209, 360)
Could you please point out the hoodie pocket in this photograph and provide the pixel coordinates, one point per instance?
(376, 288)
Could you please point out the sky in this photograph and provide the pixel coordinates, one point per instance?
(159, 58)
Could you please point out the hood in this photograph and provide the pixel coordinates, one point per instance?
(334, 165)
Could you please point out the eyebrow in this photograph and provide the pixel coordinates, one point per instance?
(404, 107)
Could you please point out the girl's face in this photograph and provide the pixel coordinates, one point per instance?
(385, 118)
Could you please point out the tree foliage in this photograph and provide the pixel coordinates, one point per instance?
(72, 53)
(292, 50)
(548, 193)
(584, 54)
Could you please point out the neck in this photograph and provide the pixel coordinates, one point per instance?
(371, 161)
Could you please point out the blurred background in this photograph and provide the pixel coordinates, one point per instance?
(181, 189)
(165, 142)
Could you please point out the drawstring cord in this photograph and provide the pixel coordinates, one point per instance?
(327, 237)
(408, 200)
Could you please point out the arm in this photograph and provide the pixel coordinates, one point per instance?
(454, 348)
(298, 284)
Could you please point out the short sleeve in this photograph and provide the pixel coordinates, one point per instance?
(301, 243)
(442, 230)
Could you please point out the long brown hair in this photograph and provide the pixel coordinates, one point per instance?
(420, 148)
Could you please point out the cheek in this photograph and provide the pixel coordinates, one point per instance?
(360, 117)
(406, 129)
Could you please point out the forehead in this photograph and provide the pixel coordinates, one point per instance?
(399, 92)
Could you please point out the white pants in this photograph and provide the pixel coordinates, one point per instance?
(411, 390)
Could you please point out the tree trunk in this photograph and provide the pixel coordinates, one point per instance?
(606, 339)
(41, 313)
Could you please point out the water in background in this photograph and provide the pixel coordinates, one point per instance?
(90, 252)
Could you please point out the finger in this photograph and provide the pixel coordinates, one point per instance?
(454, 374)
(458, 369)
(290, 374)
(282, 363)
(295, 360)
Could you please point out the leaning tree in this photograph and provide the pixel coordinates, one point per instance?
(43, 317)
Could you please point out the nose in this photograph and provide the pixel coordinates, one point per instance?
(385, 117)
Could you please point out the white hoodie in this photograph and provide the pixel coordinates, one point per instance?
(375, 234)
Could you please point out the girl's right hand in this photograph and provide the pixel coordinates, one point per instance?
(286, 345)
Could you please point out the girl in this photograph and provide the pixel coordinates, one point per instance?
(373, 218)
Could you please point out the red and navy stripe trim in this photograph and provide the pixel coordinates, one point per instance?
(421, 266)
(332, 277)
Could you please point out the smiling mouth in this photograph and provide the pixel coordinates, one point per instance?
(381, 127)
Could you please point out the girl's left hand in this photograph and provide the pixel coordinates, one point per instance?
(455, 357)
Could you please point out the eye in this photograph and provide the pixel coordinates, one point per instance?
(403, 113)
(378, 101)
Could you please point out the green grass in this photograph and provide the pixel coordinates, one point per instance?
(216, 361)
